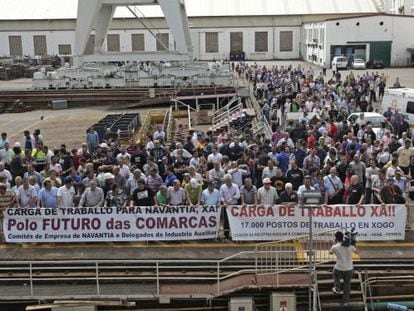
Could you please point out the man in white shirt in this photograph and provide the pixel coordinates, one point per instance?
(229, 191)
(343, 268)
(305, 187)
(267, 194)
(66, 193)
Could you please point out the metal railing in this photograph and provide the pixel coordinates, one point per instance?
(269, 259)
(100, 278)
(365, 285)
(266, 128)
(227, 111)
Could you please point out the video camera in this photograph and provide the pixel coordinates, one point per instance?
(350, 238)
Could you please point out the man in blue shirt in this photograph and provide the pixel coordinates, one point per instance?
(47, 196)
(283, 159)
(211, 196)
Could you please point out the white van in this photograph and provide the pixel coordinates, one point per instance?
(400, 99)
(341, 62)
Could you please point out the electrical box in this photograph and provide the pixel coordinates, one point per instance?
(241, 304)
(80, 308)
(283, 302)
(59, 104)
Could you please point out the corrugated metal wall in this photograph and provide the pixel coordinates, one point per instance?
(236, 42)
(15, 44)
(212, 44)
(260, 41)
(40, 47)
(113, 43)
(138, 42)
(286, 41)
(164, 38)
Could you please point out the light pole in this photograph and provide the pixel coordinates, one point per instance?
(310, 199)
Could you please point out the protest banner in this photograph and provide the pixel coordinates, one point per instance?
(277, 222)
(107, 224)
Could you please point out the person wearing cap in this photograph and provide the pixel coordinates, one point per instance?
(66, 193)
(267, 194)
(211, 196)
(405, 153)
(47, 197)
(92, 139)
(93, 196)
(193, 192)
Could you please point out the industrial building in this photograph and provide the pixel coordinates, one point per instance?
(311, 30)
(381, 36)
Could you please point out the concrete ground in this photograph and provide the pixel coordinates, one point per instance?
(58, 126)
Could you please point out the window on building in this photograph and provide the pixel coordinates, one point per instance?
(410, 107)
(138, 42)
(163, 41)
(15, 46)
(90, 46)
(321, 37)
(260, 41)
(113, 43)
(286, 41)
(212, 45)
(236, 42)
(65, 49)
(315, 35)
(40, 47)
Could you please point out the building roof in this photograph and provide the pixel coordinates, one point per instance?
(67, 9)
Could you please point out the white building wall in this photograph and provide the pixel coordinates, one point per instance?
(54, 38)
(315, 52)
(294, 54)
(395, 28)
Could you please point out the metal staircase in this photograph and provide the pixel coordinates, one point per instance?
(329, 301)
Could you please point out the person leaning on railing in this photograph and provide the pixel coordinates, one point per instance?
(7, 199)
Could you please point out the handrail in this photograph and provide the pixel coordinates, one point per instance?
(189, 118)
(226, 114)
(225, 107)
(179, 102)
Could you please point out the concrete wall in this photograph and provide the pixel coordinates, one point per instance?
(397, 29)
(54, 38)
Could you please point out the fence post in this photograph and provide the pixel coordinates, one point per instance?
(157, 267)
(31, 279)
(98, 290)
(218, 278)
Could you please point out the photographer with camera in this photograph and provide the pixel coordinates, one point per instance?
(343, 269)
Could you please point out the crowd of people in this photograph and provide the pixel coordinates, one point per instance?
(347, 161)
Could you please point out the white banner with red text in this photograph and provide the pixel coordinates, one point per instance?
(277, 222)
(108, 224)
